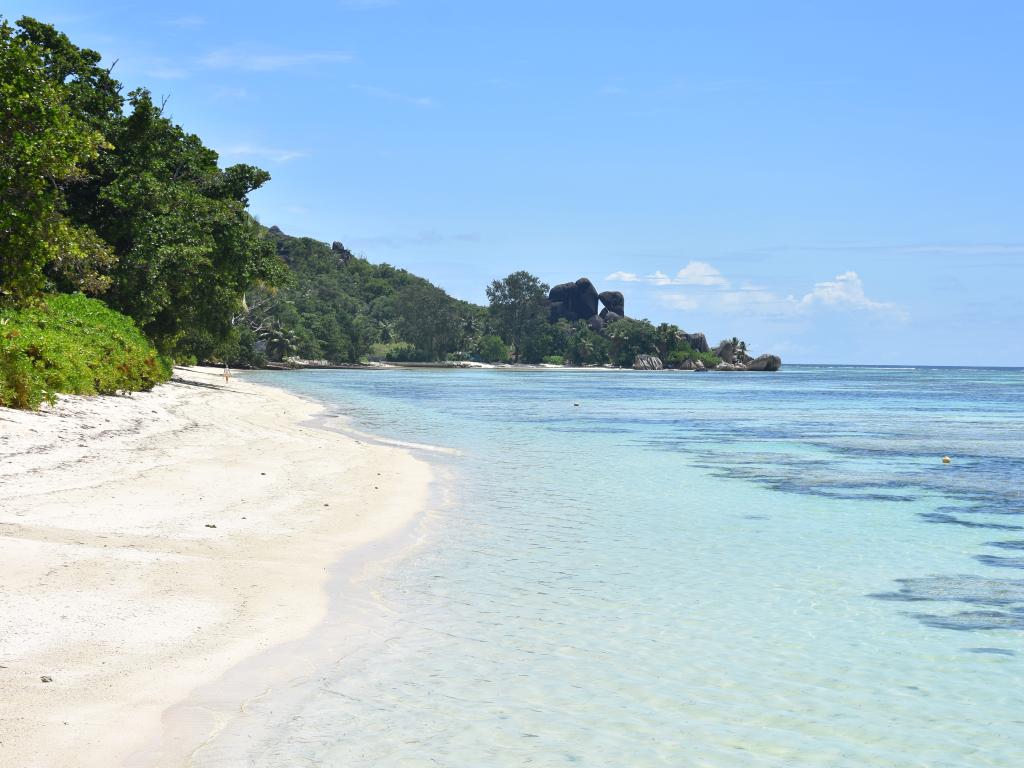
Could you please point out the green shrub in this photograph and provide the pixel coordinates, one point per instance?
(679, 356)
(491, 349)
(710, 359)
(67, 343)
(553, 360)
(403, 352)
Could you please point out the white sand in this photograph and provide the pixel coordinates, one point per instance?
(111, 581)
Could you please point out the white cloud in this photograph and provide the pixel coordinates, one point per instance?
(847, 290)
(624, 277)
(715, 293)
(699, 273)
(256, 61)
(694, 273)
(255, 151)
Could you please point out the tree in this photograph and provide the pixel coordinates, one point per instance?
(518, 304)
(492, 349)
(427, 319)
(629, 338)
(43, 147)
(187, 248)
(669, 339)
(184, 247)
(584, 346)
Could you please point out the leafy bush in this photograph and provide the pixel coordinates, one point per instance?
(492, 349)
(629, 338)
(582, 345)
(553, 360)
(679, 356)
(70, 344)
(404, 352)
(710, 359)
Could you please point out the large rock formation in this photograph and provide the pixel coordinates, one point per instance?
(765, 363)
(697, 341)
(579, 301)
(613, 301)
(341, 252)
(726, 351)
(573, 301)
(647, 363)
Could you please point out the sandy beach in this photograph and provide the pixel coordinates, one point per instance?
(151, 543)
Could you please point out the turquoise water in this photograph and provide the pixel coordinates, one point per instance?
(682, 570)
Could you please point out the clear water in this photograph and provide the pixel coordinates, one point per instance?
(683, 570)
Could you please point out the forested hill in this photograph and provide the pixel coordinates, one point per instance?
(340, 308)
(125, 246)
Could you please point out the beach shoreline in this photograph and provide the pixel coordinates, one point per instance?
(154, 543)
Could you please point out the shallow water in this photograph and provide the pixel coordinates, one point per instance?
(681, 570)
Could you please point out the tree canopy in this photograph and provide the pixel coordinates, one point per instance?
(106, 195)
(519, 307)
(101, 193)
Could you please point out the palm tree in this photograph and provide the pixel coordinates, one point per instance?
(387, 330)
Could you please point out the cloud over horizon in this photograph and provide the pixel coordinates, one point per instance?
(694, 273)
(714, 292)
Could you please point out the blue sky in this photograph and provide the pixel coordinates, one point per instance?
(833, 181)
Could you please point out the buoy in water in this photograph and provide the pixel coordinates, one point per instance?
(946, 460)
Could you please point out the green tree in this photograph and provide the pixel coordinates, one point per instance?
(518, 304)
(584, 346)
(491, 349)
(629, 338)
(427, 318)
(187, 248)
(43, 147)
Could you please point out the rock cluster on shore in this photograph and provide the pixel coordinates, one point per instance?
(647, 363)
(734, 359)
(579, 300)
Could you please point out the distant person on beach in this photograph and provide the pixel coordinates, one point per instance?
(227, 374)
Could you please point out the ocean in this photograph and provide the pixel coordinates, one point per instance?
(673, 569)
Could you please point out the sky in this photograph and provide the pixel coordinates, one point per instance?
(835, 182)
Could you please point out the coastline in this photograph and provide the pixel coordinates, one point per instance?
(153, 543)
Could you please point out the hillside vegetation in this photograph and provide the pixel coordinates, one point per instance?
(103, 196)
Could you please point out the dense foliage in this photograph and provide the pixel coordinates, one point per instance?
(70, 343)
(101, 194)
(106, 195)
(519, 308)
(340, 308)
(43, 148)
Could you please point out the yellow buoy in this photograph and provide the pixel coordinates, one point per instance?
(946, 460)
